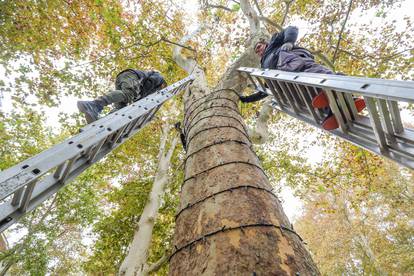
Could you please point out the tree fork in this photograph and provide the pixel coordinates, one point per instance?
(229, 221)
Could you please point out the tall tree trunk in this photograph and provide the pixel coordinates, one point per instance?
(229, 222)
(135, 263)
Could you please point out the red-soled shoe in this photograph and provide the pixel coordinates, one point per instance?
(330, 123)
(320, 101)
(359, 104)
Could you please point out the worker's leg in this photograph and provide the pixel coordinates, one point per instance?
(126, 91)
(127, 88)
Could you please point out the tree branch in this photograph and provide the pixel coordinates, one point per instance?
(175, 43)
(190, 65)
(288, 3)
(205, 5)
(372, 56)
(341, 32)
(258, 7)
(251, 15)
(158, 264)
(324, 59)
(270, 22)
(260, 132)
(218, 7)
(31, 229)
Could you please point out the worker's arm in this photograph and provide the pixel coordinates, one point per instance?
(253, 97)
(288, 35)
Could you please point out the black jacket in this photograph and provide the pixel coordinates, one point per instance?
(270, 56)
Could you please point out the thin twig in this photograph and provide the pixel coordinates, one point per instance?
(270, 22)
(180, 45)
(372, 56)
(342, 30)
(158, 264)
(324, 59)
(288, 3)
(258, 7)
(218, 7)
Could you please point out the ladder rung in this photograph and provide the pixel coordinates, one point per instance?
(336, 110)
(96, 149)
(67, 169)
(274, 92)
(387, 123)
(345, 106)
(17, 196)
(27, 195)
(351, 105)
(308, 102)
(376, 123)
(396, 117)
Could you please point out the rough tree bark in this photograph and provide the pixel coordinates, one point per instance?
(135, 263)
(229, 221)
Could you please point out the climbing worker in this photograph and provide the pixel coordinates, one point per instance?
(281, 53)
(130, 86)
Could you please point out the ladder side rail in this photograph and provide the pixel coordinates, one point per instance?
(21, 174)
(57, 157)
(393, 104)
(385, 89)
(48, 185)
(356, 79)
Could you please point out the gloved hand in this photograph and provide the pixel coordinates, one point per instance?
(287, 46)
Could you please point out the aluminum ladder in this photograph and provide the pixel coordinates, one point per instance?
(379, 130)
(26, 185)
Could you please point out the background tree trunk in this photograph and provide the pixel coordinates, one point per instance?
(135, 263)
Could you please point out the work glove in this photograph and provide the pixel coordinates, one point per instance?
(287, 46)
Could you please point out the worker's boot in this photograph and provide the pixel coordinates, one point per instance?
(330, 122)
(321, 101)
(91, 109)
